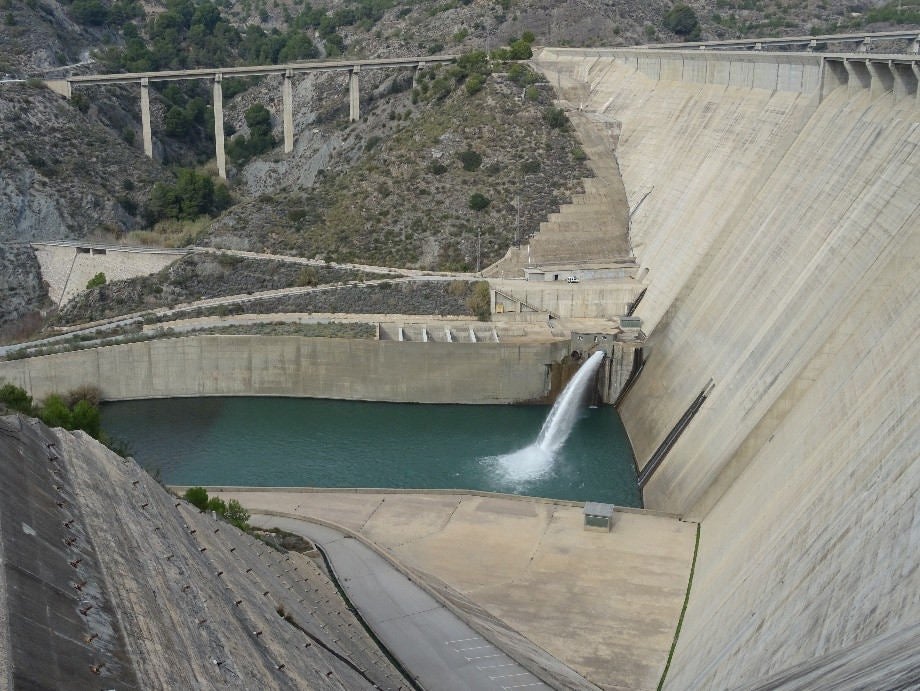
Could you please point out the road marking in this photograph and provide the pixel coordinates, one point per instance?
(508, 664)
(462, 640)
(475, 647)
(521, 686)
(505, 676)
(481, 657)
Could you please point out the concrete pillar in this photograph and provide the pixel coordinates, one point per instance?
(287, 100)
(354, 95)
(905, 83)
(418, 72)
(915, 46)
(219, 127)
(857, 76)
(145, 117)
(834, 74)
(882, 81)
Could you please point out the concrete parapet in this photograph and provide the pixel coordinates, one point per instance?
(353, 369)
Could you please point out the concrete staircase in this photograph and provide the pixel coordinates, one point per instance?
(595, 225)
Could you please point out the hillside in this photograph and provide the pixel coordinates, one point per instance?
(371, 191)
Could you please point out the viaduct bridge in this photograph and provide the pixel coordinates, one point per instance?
(65, 86)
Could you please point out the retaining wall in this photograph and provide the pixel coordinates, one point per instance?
(293, 366)
(776, 208)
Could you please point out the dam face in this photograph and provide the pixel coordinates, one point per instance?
(775, 210)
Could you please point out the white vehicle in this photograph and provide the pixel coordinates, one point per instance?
(571, 279)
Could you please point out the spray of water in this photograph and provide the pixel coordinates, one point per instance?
(536, 460)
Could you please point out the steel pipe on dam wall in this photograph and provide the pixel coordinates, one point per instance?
(776, 217)
(292, 366)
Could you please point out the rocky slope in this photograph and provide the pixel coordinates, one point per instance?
(364, 191)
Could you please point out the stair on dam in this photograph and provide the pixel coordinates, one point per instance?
(594, 225)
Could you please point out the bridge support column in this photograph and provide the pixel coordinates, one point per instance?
(354, 95)
(145, 117)
(219, 127)
(417, 74)
(287, 101)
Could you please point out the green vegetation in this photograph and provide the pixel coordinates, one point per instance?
(232, 512)
(470, 160)
(96, 281)
(681, 19)
(197, 497)
(518, 49)
(78, 409)
(479, 201)
(259, 120)
(193, 195)
(480, 300)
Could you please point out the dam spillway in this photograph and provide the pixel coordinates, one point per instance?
(775, 208)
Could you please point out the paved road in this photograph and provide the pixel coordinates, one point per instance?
(438, 649)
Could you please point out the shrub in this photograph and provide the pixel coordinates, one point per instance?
(682, 20)
(307, 277)
(197, 496)
(470, 160)
(237, 515)
(96, 281)
(479, 303)
(530, 167)
(217, 505)
(437, 168)
(478, 201)
(555, 118)
(16, 398)
(474, 84)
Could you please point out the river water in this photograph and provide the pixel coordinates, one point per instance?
(321, 443)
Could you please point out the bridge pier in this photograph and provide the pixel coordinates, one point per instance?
(219, 127)
(145, 117)
(287, 107)
(354, 95)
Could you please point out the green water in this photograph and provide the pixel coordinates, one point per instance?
(322, 443)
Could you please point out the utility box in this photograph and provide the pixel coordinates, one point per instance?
(598, 516)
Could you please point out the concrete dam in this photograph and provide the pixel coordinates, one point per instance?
(772, 210)
(775, 209)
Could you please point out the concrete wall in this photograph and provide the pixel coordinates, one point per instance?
(293, 366)
(778, 238)
(591, 299)
(67, 267)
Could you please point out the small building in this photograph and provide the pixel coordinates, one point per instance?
(598, 516)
